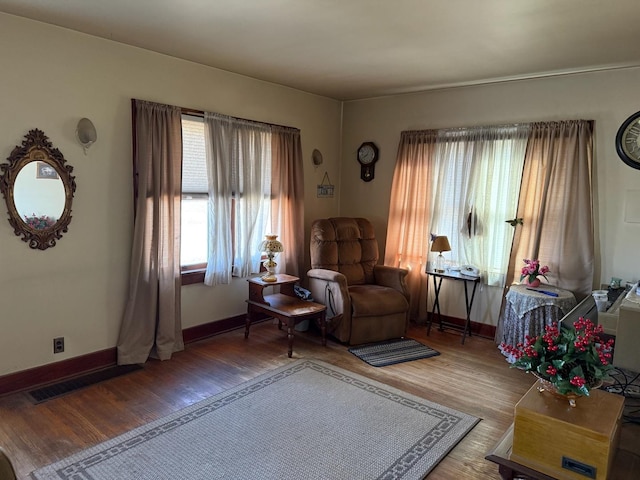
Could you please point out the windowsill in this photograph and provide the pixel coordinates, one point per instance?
(195, 274)
(189, 277)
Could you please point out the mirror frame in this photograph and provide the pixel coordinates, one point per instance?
(37, 147)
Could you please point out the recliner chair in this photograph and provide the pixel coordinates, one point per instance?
(366, 302)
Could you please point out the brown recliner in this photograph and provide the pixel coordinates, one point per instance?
(365, 302)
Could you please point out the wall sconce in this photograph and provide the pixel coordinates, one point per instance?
(86, 133)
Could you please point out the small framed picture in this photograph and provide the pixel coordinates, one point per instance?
(44, 170)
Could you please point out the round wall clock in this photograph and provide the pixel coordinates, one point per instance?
(367, 157)
(628, 141)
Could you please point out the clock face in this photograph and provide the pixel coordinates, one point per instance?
(628, 141)
(367, 154)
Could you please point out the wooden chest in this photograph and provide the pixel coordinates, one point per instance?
(564, 442)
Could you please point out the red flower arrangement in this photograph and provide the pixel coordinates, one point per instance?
(572, 358)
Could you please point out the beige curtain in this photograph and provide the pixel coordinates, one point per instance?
(287, 193)
(410, 212)
(556, 205)
(151, 323)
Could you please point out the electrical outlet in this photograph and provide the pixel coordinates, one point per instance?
(58, 345)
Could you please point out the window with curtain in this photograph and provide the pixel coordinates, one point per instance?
(468, 183)
(238, 155)
(230, 199)
(477, 173)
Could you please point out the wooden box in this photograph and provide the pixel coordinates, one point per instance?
(563, 442)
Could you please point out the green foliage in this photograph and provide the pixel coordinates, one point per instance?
(573, 358)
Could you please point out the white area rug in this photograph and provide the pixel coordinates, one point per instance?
(306, 420)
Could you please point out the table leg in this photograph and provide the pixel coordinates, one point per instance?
(505, 472)
(290, 326)
(323, 328)
(468, 304)
(436, 304)
(247, 323)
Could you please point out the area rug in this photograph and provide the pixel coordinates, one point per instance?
(393, 351)
(307, 420)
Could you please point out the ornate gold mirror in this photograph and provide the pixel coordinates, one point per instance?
(38, 188)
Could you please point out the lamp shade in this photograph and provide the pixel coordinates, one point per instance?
(271, 245)
(441, 244)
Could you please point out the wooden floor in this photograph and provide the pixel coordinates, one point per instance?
(473, 378)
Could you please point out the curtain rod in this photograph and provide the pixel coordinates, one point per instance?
(200, 113)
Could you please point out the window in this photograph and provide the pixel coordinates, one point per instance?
(229, 198)
(226, 196)
(194, 225)
(477, 180)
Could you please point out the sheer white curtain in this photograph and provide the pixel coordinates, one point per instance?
(239, 177)
(453, 159)
(492, 199)
(442, 180)
(474, 193)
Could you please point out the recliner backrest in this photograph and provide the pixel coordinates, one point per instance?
(345, 245)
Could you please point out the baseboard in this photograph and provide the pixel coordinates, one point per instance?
(200, 332)
(54, 372)
(479, 329)
(72, 367)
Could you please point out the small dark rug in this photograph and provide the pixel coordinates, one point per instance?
(393, 351)
(57, 389)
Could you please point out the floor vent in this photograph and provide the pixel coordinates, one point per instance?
(58, 389)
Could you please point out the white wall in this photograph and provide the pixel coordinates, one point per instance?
(52, 77)
(606, 97)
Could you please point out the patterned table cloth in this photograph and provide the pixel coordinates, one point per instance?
(527, 312)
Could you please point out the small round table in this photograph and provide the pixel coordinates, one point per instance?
(527, 311)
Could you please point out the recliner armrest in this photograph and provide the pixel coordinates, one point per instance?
(330, 288)
(328, 275)
(392, 277)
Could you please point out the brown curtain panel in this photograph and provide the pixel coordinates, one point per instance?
(410, 211)
(556, 205)
(287, 193)
(151, 325)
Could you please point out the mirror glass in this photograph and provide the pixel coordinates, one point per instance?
(39, 195)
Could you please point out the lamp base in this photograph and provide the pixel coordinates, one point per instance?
(439, 266)
(270, 274)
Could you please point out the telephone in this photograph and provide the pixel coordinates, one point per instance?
(469, 271)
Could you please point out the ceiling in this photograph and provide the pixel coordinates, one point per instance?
(354, 49)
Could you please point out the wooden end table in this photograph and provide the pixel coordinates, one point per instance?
(285, 306)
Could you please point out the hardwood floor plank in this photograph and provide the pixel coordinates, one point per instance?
(473, 378)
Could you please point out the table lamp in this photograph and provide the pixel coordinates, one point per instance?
(271, 246)
(440, 244)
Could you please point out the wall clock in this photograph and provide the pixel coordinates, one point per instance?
(367, 157)
(628, 141)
